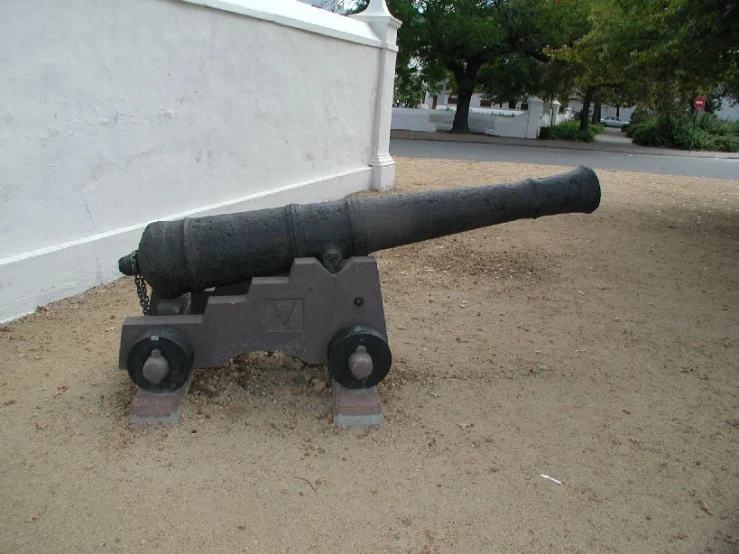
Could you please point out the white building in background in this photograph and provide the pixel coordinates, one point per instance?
(623, 113)
(478, 104)
(522, 122)
(729, 110)
(447, 99)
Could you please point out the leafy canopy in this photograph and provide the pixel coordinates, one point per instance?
(659, 53)
(508, 38)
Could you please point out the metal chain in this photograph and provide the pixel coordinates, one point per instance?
(143, 294)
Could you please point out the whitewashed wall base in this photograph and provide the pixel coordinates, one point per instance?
(383, 172)
(37, 278)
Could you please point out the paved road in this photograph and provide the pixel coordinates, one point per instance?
(721, 168)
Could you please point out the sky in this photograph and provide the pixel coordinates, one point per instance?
(333, 5)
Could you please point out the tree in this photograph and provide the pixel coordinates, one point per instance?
(706, 43)
(466, 36)
(657, 53)
(510, 78)
(410, 87)
(596, 60)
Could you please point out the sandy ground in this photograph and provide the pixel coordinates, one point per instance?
(599, 350)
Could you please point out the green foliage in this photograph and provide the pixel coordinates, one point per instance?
(494, 45)
(639, 115)
(510, 78)
(726, 143)
(596, 59)
(570, 130)
(410, 88)
(659, 53)
(648, 133)
(711, 124)
(713, 99)
(708, 35)
(683, 133)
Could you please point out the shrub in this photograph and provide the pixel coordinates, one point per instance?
(640, 115)
(586, 136)
(683, 133)
(645, 133)
(726, 143)
(570, 130)
(710, 124)
(715, 126)
(564, 131)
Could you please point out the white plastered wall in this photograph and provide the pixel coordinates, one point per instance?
(520, 124)
(114, 114)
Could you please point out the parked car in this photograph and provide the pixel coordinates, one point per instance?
(612, 121)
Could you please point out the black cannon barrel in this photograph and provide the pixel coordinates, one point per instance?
(193, 254)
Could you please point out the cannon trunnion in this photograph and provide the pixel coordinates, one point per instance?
(299, 279)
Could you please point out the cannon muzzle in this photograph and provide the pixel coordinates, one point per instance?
(193, 254)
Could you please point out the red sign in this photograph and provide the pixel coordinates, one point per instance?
(699, 102)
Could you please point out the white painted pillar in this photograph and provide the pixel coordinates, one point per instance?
(386, 28)
(555, 112)
(536, 108)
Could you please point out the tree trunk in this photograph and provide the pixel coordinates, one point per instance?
(466, 77)
(434, 101)
(596, 113)
(464, 96)
(589, 93)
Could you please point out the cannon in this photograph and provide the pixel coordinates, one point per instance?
(299, 279)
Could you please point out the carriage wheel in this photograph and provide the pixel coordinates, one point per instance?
(359, 357)
(160, 360)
